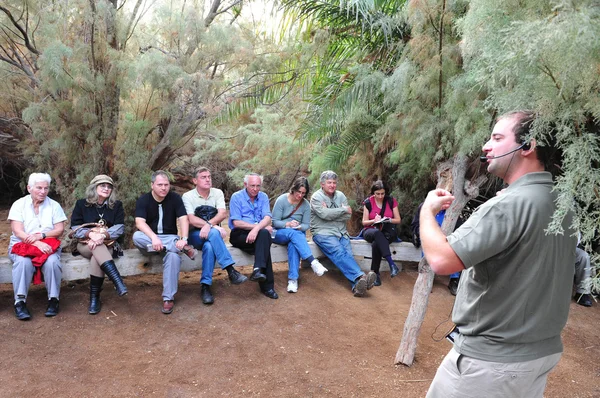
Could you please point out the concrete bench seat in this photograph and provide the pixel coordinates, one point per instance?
(135, 263)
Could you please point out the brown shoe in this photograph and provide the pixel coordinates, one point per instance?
(190, 251)
(168, 306)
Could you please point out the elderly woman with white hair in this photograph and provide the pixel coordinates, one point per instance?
(99, 207)
(36, 222)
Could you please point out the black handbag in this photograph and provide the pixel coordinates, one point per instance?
(390, 232)
(205, 212)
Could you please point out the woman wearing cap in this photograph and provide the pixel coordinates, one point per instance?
(99, 206)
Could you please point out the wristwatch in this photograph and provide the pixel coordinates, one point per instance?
(183, 238)
(208, 222)
(43, 235)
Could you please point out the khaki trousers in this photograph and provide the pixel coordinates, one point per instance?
(461, 376)
(97, 257)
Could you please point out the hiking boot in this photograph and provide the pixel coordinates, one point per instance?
(360, 287)
(371, 278)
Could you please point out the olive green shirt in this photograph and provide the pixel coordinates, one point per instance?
(513, 298)
(329, 220)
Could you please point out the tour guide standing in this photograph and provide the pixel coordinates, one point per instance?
(250, 224)
(514, 295)
(156, 215)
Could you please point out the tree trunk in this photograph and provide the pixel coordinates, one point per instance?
(463, 192)
(414, 320)
(179, 127)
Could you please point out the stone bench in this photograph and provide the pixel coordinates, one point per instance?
(135, 263)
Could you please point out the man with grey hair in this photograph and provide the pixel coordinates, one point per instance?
(250, 224)
(329, 213)
(156, 215)
(36, 222)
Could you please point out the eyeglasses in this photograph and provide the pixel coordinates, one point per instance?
(106, 186)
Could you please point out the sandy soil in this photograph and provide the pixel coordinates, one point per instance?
(320, 341)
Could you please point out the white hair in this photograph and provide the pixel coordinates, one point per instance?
(38, 177)
(247, 177)
(328, 175)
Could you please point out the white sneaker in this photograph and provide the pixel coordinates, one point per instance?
(292, 286)
(317, 267)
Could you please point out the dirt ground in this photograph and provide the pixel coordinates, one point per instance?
(320, 341)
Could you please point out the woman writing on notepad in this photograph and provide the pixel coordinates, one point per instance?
(380, 218)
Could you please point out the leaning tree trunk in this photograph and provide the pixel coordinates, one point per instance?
(450, 174)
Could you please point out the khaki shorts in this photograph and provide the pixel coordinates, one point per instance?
(462, 376)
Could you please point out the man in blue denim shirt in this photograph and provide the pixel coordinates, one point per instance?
(250, 223)
(328, 216)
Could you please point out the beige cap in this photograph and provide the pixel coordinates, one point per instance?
(99, 179)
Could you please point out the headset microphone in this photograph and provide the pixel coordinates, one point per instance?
(525, 146)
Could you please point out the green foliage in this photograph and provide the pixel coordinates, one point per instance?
(108, 98)
(266, 145)
(545, 57)
(370, 88)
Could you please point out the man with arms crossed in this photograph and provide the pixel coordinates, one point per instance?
(208, 235)
(156, 216)
(329, 212)
(514, 293)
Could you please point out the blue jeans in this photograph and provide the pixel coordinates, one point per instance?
(212, 248)
(297, 248)
(339, 251)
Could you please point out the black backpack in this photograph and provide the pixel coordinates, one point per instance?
(415, 228)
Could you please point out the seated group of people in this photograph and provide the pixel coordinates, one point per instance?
(97, 222)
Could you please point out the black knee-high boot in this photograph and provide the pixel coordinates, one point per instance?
(110, 269)
(95, 289)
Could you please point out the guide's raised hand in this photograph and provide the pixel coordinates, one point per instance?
(437, 200)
